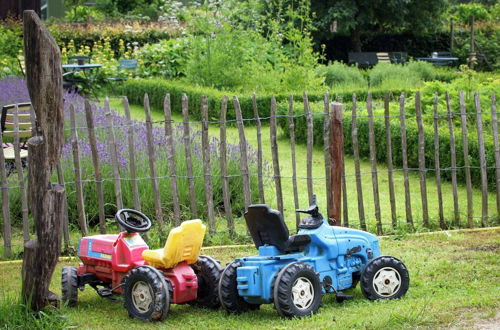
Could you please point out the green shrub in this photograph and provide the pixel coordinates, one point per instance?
(343, 77)
(245, 60)
(389, 76)
(156, 88)
(164, 59)
(423, 70)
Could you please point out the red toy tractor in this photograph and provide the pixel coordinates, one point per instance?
(149, 280)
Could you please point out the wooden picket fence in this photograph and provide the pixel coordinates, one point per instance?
(335, 177)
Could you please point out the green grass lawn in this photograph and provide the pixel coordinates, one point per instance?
(454, 281)
(137, 112)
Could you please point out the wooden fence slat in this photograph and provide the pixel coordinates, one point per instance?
(7, 230)
(390, 169)
(345, 210)
(114, 156)
(437, 163)
(20, 177)
(65, 218)
(78, 175)
(451, 128)
(482, 161)
(357, 167)
(404, 151)
(259, 149)
(373, 163)
(494, 123)
(326, 150)
(274, 151)
(187, 152)
(336, 154)
(223, 168)
(152, 163)
(310, 143)
(291, 126)
(97, 166)
(207, 170)
(171, 159)
(131, 155)
(243, 152)
(421, 159)
(465, 146)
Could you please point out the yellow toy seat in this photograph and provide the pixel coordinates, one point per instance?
(183, 244)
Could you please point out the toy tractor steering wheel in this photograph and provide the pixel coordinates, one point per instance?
(133, 221)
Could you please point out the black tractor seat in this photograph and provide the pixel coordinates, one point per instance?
(267, 226)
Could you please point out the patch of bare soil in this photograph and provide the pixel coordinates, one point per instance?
(488, 324)
(492, 323)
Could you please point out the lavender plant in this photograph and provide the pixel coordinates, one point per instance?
(142, 166)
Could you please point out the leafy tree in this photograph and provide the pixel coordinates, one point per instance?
(359, 16)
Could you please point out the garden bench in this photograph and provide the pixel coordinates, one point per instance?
(368, 59)
(8, 131)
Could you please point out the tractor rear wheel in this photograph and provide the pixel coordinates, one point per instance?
(69, 285)
(208, 271)
(384, 278)
(146, 294)
(228, 291)
(297, 290)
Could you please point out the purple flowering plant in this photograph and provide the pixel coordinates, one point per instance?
(18, 93)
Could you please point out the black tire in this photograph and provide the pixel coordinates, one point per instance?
(208, 271)
(229, 298)
(355, 279)
(69, 286)
(307, 301)
(146, 294)
(384, 278)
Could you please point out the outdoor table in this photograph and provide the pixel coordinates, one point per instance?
(438, 60)
(84, 68)
(81, 67)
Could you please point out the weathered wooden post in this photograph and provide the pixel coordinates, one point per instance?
(336, 154)
(44, 79)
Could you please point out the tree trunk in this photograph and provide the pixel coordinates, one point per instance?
(44, 80)
(356, 39)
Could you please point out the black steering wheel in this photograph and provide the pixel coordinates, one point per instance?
(133, 221)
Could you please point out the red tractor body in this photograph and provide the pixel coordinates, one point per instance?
(147, 280)
(112, 257)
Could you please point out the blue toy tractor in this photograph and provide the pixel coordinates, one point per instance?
(294, 272)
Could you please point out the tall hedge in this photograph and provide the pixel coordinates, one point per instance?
(157, 89)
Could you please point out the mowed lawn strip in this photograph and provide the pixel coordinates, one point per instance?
(454, 280)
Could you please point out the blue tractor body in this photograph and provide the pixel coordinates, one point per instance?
(337, 254)
(293, 272)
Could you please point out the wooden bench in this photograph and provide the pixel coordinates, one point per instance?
(368, 59)
(23, 128)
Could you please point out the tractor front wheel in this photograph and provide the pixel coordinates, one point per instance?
(297, 291)
(384, 278)
(228, 291)
(146, 294)
(208, 272)
(69, 285)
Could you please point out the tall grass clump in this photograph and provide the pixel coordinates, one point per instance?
(339, 76)
(394, 76)
(17, 315)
